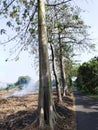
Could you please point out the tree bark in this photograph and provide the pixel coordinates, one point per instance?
(45, 105)
(58, 89)
(62, 70)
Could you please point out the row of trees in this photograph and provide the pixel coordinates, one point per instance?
(87, 78)
(38, 25)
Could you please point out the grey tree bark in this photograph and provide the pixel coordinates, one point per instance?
(62, 70)
(45, 104)
(58, 89)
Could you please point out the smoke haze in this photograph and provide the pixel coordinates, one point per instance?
(29, 88)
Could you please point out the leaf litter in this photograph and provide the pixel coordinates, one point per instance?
(19, 113)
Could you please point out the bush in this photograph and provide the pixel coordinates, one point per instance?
(87, 77)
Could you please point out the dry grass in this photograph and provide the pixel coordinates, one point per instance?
(18, 113)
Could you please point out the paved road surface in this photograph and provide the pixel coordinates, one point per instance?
(86, 112)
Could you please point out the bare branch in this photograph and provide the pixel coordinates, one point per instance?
(32, 16)
(2, 43)
(64, 2)
(8, 6)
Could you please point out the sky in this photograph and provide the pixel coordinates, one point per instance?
(90, 18)
(11, 70)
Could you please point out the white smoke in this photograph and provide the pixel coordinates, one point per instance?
(3, 85)
(29, 88)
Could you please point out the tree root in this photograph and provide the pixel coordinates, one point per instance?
(57, 115)
(33, 126)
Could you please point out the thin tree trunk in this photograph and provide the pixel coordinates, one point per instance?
(63, 76)
(66, 87)
(45, 106)
(58, 89)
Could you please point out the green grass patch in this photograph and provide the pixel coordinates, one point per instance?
(93, 96)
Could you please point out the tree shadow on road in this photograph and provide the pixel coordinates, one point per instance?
(87, 120)
(86, 112)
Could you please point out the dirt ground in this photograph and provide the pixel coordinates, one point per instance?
(18, 113)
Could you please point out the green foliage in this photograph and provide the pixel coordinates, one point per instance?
(22, 17)
(9, 24)
(93, 96)
(75, 70)
(2, 31)
(66, 27)
(10, 86)
(23, 80)
(87, 78)
(75, 17)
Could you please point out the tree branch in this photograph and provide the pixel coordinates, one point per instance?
(30, 18)
(14, 37)
(58, 3)
(8, 5)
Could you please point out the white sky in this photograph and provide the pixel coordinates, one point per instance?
(11, 70)
(90, 17)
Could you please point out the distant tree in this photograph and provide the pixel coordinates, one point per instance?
(23, 80)
(87, 78)
(75, 70)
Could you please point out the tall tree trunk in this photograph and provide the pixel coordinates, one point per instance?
(45, 105)
(58, 89)
(65, 88)
(62, 70)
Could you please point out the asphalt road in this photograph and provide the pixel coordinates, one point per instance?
(86, 112)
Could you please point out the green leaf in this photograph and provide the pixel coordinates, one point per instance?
(17, 29)
(80, 22)
(17, 58)
(0, 12)
(59, 24)
(9, 24)
(25, 2)
(31, 30)
(2, 31)
(13, 14)
(18, 21)
(31, 2)
(4, 4)
(75, 17)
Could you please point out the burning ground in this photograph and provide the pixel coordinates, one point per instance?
(18, 113)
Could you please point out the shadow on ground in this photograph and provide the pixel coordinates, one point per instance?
(86, 112)
(18, 120)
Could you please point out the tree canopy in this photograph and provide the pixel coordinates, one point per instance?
(87, 78)
(36, 25)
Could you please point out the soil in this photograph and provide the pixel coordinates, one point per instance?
(19, 113)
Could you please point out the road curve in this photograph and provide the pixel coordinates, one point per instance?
(86, 112)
